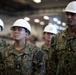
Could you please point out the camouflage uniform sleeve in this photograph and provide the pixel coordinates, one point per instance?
(53, 59)
(1, 65)
(38, 62)
(2, 71)
(2, 44)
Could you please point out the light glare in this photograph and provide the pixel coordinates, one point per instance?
(27, 18)
(46, 17)
(36, 20)
(37, 1)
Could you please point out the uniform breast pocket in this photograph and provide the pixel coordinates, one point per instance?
(27, 62)
(61, 55)
(61, 46)
(74, 52)
(73, 47)
(9, 62)
(61, 50)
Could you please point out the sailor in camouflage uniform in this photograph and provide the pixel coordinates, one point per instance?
(2, 41)
(49, 31)
(63, 59)
(22, 58)
(2, 46)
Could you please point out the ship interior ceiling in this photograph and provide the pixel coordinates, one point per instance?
(33, 10)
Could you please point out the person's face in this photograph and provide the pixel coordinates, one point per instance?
(70, 19)
(48, 36)
(18, 33)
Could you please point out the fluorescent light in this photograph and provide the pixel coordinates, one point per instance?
(63, 24)
(27, 18)
(58, 22)
(42, 23)
(55, 19)
(46, 17)
(37, 1)
(36, 20)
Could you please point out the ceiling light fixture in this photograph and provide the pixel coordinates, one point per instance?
(58, 22)
(27, 18)
(37, 1)
(55, 19)
(46, 17)
(36, 20)
(63, 24)
(42, 23)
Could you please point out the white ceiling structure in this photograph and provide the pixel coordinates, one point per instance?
(29, 8)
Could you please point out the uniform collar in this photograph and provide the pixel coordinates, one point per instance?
(66, 36)
(24, 51)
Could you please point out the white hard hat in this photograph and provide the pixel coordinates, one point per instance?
(51, 29)
(1, 24)
(71, 7)
(22, 23)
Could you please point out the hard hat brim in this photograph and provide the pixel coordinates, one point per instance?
(69, 11)
(14, 26)
(49, 32)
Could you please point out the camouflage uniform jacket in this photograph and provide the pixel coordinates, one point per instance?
(2, 43)
(29, 61)
(63, 60)
(2, 46)
(46, 50)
